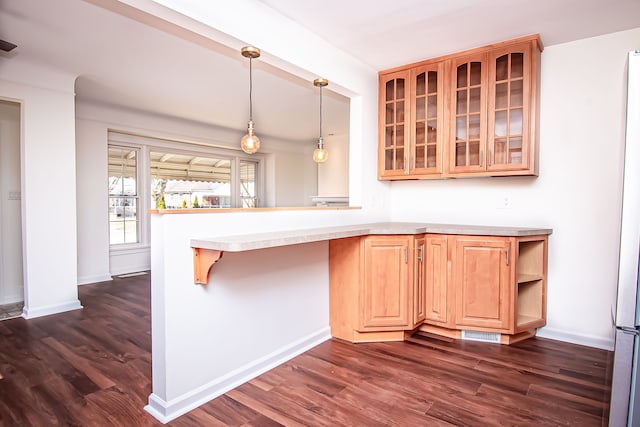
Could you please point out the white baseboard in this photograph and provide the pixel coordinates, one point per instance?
(165, 411)
(586, 340)
(33, 312)
(86, 280)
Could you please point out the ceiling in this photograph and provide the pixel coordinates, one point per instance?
(124, 63)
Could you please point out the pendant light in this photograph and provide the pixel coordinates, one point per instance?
(250, 143)
(320, 154)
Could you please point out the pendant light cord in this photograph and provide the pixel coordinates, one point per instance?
(250, 89)
(320, 112)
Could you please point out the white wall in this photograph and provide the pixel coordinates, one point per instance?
(11, 278)
(48, 191)
(577, 193)
(259, 308)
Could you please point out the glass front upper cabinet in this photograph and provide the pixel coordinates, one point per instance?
(509, 86)
(468, 115)
(426, 120)
(394, 126)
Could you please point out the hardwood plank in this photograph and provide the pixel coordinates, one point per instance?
(92, 367)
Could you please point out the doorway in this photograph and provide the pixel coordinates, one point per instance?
(11, 273)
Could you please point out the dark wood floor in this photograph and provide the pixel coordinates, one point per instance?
(92, 367)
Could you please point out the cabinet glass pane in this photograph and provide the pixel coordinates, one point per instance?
(400, 89)
(420, 108)
(399, 135)
(420, 133)
(461, 102)
(388, 159)
(461, 154)
(502, 68)
(400, 112)
(388, 136)
(390, 90)
(474, 75)
(515, 150)
(517, 65)
(399, 159)
(474, 126)
(462, 75)
(420, 159)
(515, 122)
(433, 81)
(432, 131)
(420, 84)
(474, 100)
(389, 115)
(431, 156)
(461, 128)
(432, 105)
(474, 153)
(516, 94)
(501, 95)
(500, 127)
(499, 150)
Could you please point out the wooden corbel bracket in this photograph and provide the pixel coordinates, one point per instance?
(203, 260)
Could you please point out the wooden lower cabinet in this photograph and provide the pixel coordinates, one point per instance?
(491, 284)
(482, 280)
(372, 291)
(386, 286)
(386, 294)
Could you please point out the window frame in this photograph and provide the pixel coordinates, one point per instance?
(146, 144)
(140, 208)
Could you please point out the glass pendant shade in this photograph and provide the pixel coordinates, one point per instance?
(250, 143)
(320, 154)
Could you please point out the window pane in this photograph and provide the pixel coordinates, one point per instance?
(248, 194)
(180, 180)
(122, 171)
(123, 192)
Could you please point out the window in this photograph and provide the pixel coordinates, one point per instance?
(180, 180)
(123, 196)
(248, 195)
(153, 173)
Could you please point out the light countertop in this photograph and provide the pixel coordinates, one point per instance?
(246, 242)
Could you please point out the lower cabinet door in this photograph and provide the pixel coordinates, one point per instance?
(438, 296)
(481, 276)
(386, 286)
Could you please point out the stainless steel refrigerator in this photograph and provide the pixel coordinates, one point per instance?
(625, 394)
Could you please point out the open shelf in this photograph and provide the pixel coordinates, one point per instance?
(529, 303)
(524, 278)
(530, 289)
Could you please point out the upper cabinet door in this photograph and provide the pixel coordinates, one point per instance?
(467, 117)
(509, 136)
(469, 114)
(427, 128)
(394, 130)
